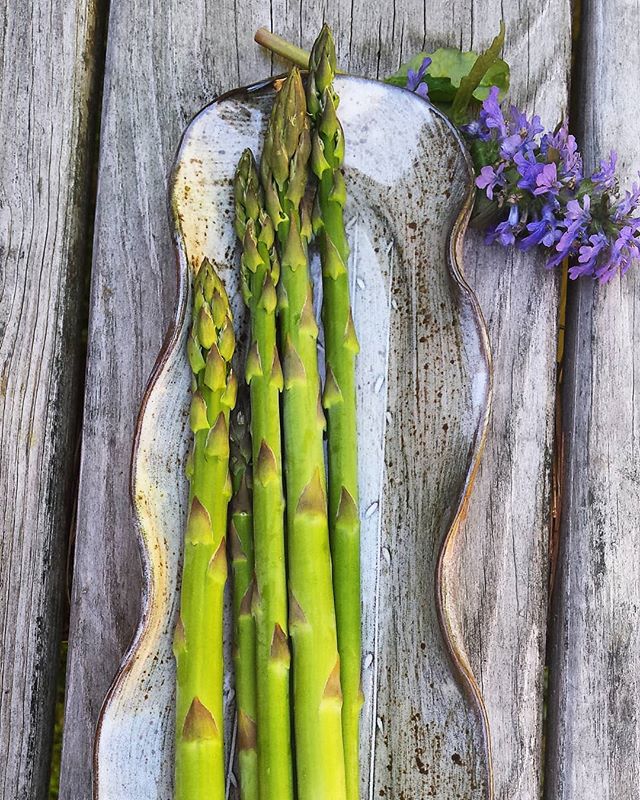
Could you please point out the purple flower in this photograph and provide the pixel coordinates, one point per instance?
(547, 180)
(490, 178)
(626, 239)
(588, 257)
(415, 80)
(474, 130)
(543, 230)
(529, 170)
(557, 258)
(491, 115)
(624, 250)
(562, 147)
(629, 203)
(528, 130)
(522, 133)
(575, 221)
(504, 232)
(605, 178)
(539, 178)
(511, 145)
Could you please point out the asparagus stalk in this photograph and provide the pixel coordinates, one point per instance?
(240, 535)
(259, 275)
(199, 768)
(339, 398)
(316, 667)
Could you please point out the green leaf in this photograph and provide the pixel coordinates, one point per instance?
(483, 153)
(496, 75)
(473, 79)
(447, 70)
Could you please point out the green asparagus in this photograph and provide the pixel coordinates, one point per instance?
(317, 701)
(240, 537)
(339, 397)
(198, 635)
(259, 276)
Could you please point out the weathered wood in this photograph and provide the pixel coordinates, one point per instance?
(594, 730)
(504, 543)
(161, 69)
(47, 58)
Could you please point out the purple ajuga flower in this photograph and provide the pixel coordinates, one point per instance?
(575, 221)
(415, 80)
(629, 204)
(510, 145)
(562, 147)
(547, 180)
(605, 177)
(627, 240)
(522, 133)
(543, 230)
(576, 218)
(491, 116)
(623, 251)
(539, 178)
(504, 232)
(529, 169)
(490, 178)
(527, 128)
(474, 130)
(557, 257)
(589, 255)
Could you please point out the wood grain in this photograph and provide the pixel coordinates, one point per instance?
(594, 734)
(162, 66)
(504, 543)
(47, 57)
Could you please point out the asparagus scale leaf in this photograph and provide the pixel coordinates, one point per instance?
(317, 699)
(339, 398)
(240, 546)
(259, 276)
(199, 768)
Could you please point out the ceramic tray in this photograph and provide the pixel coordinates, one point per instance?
(423, 391)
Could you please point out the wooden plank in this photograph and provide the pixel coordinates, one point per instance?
(504, 577)
(47, 59)
(594, 734)
(160, 69)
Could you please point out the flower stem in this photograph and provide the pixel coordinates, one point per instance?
(281, 47)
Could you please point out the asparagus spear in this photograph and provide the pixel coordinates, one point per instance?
(259, 275)
(316, 667)
(198, 635)
(339, 398)
(242, 564)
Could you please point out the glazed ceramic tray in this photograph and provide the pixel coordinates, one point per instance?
(423, 379)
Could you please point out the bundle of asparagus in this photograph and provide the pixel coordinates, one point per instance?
(303, 587)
